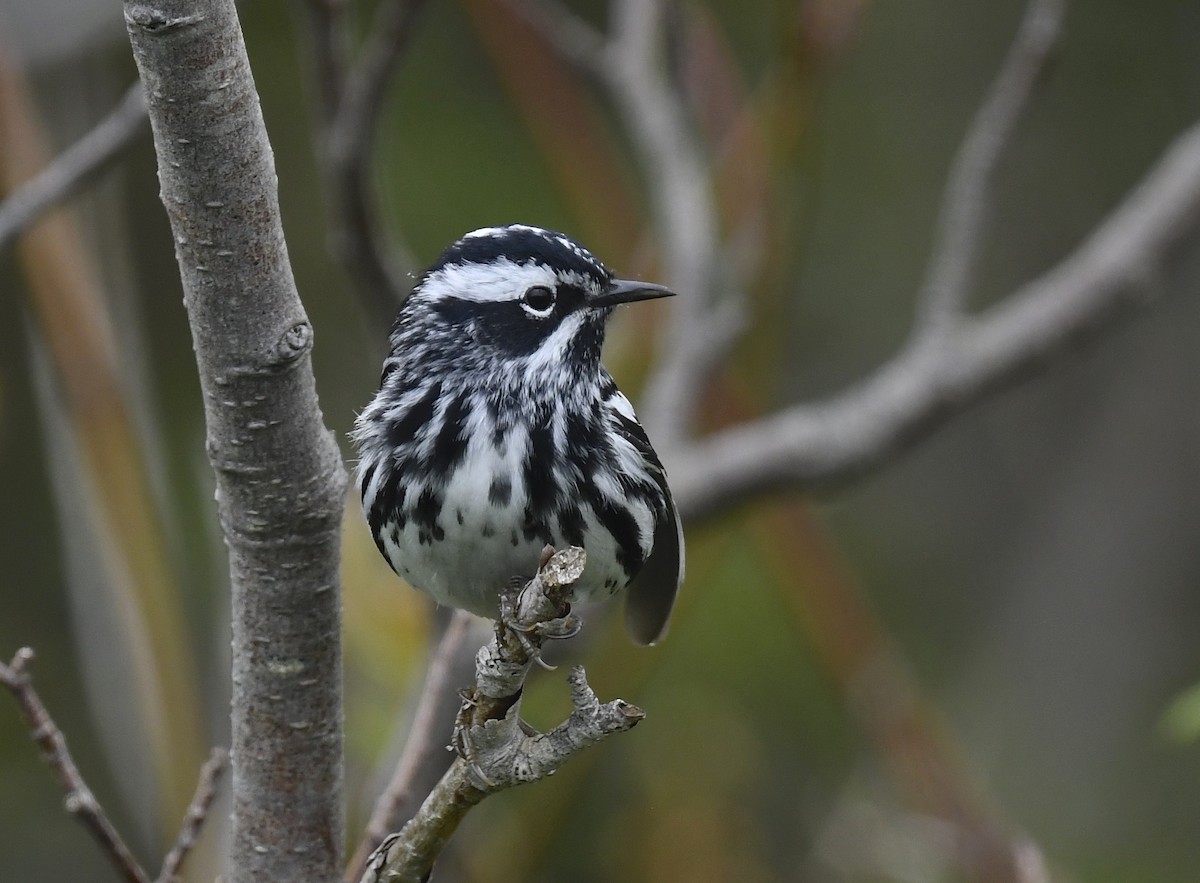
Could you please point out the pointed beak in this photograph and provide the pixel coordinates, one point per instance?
(624, 291)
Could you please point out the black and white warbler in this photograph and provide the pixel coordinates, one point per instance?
(496, 430)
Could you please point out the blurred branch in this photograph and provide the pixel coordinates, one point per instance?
(352, 93)
(820, 590)
(197, 813)
(932, 381)
(357, 240)
(495, 749)
(630, 63)
(80, 801)
(425, 748)
(328, 26)
(66, 296)
(965, 202)
(951, 361)
(568, 34)
(701, 327)
(280, 481)
(88, 157)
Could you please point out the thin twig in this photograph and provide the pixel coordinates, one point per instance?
(74, 167)
(809, 446)
(197, 813)
(494, 750)
(328, 27)
(80, 801)
(965, 202)
(425, 744)
(357, 239)
(368, 79)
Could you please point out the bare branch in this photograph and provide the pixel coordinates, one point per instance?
(426, 745)
(80, 801)
(197, 813)
(568, 34)
(367, 81)
(351, 108)
(965, 202)
(496, 751)
(680, 184)
(702, 328)
(328, 27)
(88, 157)
(280, 481)
(928, 383)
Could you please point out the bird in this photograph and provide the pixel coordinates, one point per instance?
(496, 431)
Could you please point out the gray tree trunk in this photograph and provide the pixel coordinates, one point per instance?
(279, 474)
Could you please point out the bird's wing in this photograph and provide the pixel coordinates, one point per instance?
(651, 594)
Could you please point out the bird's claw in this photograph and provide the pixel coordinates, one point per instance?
(559, 629)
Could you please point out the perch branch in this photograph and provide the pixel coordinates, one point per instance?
(495, 751)
(80, 801)
(74, 167)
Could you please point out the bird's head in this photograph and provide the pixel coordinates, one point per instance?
(519, 296)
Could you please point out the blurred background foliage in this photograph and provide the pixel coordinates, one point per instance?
(1020, 589)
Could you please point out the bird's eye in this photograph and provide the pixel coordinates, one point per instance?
(539, 299)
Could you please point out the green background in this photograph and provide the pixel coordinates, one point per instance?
(1033, 568)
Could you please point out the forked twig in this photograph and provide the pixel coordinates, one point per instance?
(931, 381)
(352, 89)
(495, 751)
(965, 201)
(80, 801)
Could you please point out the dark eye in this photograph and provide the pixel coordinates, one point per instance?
(539, 299)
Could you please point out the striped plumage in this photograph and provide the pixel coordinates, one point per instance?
(496, 430)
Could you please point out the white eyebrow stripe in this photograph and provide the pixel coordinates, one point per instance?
(497, 281)
(494, 282)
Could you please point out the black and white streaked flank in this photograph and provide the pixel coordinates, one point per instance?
(496, 430)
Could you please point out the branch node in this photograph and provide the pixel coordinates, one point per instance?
(148, 18)
(295, 343)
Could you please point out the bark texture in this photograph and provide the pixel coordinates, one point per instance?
(280, 480)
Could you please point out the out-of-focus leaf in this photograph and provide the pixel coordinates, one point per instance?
(1181, 721)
